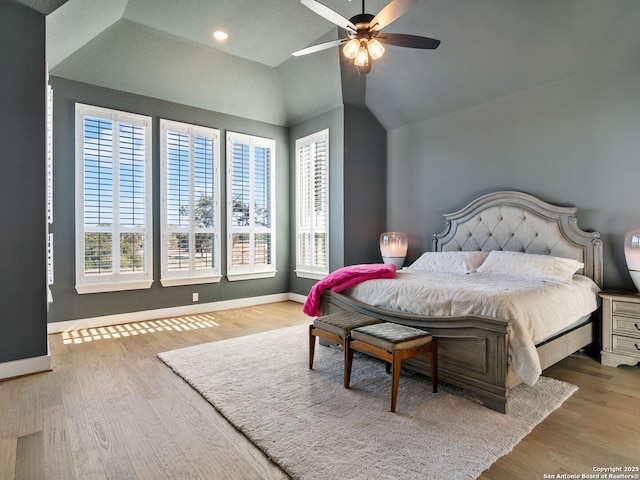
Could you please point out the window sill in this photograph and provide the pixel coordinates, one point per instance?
(311, 275)
(113, 287)
(175, 282)
(232, 277)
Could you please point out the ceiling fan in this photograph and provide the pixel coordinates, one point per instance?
(364, 41)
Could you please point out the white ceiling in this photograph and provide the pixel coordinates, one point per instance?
(490, 49)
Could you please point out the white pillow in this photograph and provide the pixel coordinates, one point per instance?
(529, 265)
(448, 262)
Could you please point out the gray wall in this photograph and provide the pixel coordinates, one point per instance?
(574, 143)
(67, 303)
(365, 193)
(23, 308)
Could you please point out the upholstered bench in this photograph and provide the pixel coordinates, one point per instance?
(336, 327)
(392, 343)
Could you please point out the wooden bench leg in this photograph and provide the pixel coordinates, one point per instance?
(396, 363)
(434, 366)
(312, 346)
(348, 361)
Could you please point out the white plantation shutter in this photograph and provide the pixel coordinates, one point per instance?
(312, 205)
(49, 155)
(131, 200)
(49, 192)
(113, 202)
(250, 207)
(190, 209)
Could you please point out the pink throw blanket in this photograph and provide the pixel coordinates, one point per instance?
(345, 278)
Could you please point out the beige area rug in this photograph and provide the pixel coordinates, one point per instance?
(307, 423)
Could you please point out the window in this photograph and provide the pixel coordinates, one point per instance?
(312, 205)
(113, 200)
(49, 192)
(250, 207)
(190, 158)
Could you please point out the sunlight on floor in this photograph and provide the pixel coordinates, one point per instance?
(178, 324)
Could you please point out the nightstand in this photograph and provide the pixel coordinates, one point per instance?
(620, 328)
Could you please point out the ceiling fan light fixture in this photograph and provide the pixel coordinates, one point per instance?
(361, 46)
(362, 57)
(376, 50)
(364, 69)
(351, 48)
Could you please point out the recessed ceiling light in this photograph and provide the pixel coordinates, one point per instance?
(220, 35)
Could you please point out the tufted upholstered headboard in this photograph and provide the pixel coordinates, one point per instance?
(516, 221)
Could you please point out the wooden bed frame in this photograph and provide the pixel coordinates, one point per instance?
(473, 349)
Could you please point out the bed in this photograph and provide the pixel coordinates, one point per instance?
(475, 349)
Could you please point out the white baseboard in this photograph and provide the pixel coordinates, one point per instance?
(296, 297)
(94, 322)
(26, 366)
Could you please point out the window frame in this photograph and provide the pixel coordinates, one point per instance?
(311, 270)
(252, 270)
(116, 280)
(193, 276)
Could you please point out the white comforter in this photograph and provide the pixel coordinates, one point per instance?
(538, 309)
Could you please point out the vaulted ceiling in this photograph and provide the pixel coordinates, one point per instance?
(490, 49)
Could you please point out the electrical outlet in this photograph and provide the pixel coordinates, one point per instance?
(195, 296)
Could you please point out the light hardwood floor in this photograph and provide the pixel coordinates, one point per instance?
(111, 410)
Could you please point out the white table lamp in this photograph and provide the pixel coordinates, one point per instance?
(632, 255)
(393, 247)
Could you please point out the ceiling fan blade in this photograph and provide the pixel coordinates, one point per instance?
(390, 13)
(329, 14)
(319, 47)
(411, 41)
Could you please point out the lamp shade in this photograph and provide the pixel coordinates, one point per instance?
(393, 247)
(632, 255)
(351, 48)
(376, 49)
(362, 57)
